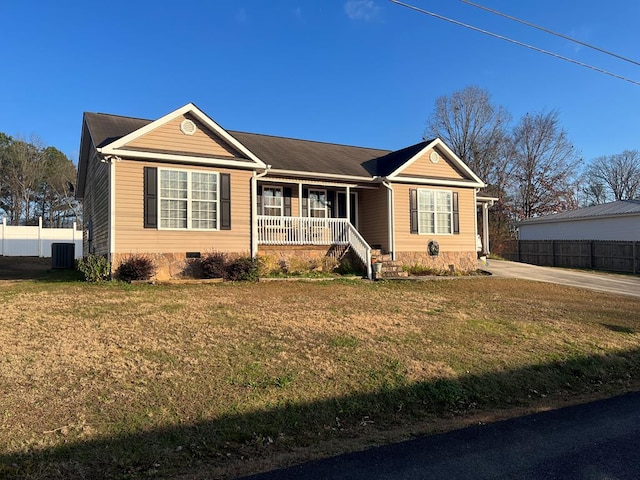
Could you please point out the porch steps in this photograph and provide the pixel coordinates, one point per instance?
(390, 269)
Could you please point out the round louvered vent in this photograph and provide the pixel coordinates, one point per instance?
(434, 157)
(187, 127)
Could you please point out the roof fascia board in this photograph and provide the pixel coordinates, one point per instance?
(538, 221)
(178, 158)
(452, 156)
(320, 175)
(268, 179)
(203, 117)
(435, 181)
(83, 163)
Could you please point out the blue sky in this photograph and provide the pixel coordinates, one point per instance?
(359, 72)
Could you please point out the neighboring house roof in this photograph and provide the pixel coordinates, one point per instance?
(617, 208)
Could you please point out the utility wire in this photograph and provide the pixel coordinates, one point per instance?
(546, 30)
(507, 39)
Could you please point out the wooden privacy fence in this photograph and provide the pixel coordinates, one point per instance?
(21, 241)
(613, 256)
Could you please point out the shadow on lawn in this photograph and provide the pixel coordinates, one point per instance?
(34, 268)
(183, 450)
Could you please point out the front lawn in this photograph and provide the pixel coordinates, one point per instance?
(218, 380)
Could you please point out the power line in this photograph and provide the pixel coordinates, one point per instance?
(516, 42)
(546, 30)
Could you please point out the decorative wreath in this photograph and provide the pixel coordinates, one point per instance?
(433, 247)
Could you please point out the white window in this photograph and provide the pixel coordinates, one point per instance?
(272, 201)
(318, 203)
(188, 200)
(435, 212)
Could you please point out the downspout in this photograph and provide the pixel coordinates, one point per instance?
(475, 222)
(111, 160)
(254, 211)
(391, 203)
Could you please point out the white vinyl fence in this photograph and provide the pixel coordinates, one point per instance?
(19, 241)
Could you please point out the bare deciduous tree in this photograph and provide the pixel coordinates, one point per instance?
(620, 173)
(475, 130)
(544, 167)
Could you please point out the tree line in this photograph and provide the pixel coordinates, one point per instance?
(530, 165)
(36, 181)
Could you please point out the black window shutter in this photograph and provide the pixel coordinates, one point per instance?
(225, 201)
(287, 201)
(150, 197)
(259, 200)
(456, 214)
(331, 199)
(305, 202)
(413, 210)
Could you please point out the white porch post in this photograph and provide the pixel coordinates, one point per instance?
(485, 228)
(348, 204)
(300, 199)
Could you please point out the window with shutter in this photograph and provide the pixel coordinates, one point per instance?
(188, 200)
(433, 212)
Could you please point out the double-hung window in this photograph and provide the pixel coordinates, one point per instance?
(272, 201)
(188, 200)
(318, 203)
(435, 212)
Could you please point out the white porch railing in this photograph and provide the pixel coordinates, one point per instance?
(273, 230)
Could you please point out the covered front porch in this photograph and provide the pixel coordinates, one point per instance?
(298, 213)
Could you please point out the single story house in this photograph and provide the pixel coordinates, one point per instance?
(182, 185)
(618, 220)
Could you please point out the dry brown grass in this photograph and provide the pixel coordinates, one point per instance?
(118, 381)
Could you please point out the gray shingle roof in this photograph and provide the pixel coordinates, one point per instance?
(620, 207)
(105, 128)
(279, 152)
(311, 156)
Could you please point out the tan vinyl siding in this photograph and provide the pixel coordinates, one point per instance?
(373, 216)
(407, 242)
(169, 138)
(424, 167)
(96, 206)
(132, 237)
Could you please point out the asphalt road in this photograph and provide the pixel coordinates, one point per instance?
(605, 282)
(595, 441)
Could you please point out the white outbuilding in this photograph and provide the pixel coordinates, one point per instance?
(618, 220)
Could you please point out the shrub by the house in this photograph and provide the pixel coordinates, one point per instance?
(95, 268)
(136, 267)
(219, 265)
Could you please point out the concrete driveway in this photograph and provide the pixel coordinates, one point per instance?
(604, 282)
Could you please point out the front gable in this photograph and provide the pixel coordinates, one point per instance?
(195, 139)
(432, 163)
(186, 135)
(436, 164)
